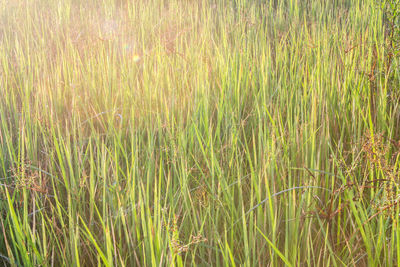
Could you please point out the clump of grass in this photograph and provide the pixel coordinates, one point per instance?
(198, 133)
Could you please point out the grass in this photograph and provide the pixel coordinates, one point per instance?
(224, 133)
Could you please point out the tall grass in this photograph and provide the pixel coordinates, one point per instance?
(224, 133)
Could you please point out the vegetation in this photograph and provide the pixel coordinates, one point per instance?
(215, 132)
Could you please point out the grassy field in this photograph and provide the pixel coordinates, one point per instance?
(188, 132)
